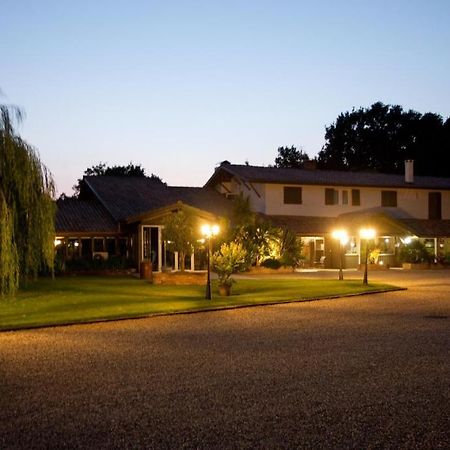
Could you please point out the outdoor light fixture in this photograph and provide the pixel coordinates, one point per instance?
(366, 234)
(57, 242)
(342, 237)
(209, 232)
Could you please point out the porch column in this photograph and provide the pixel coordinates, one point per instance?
(358, 248)
(160, 255)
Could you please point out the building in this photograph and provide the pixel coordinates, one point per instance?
(124, 216)
(314, 202)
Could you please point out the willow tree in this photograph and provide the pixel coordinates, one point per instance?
(27, 208)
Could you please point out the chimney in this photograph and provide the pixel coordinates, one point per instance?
(409, 171)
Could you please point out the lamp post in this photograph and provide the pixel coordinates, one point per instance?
(209, 231)
(366, 234)
(342, 237)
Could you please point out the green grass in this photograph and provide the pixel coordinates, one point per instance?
(70, 300)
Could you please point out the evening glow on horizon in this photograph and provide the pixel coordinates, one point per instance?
(180, 86)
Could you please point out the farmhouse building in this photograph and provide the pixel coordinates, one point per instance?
(124, 215)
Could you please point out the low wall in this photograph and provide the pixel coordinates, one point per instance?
(372, 267)
(179, 278)
(420, 266)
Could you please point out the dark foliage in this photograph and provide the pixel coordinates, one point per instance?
(381, 137)
(112, 263)
(290, 157)
(131, 170)
(271, 263)
(415, 253)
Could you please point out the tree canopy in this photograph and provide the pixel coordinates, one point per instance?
(131, 170)
(290, 157)
(181, 233)
(381, 137)
(27, 208)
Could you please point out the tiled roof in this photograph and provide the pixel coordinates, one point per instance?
(125, 197)
(395, 221)
(387, 222)
(323, 177)
(427, 228)
(79, 216)
(304, 225)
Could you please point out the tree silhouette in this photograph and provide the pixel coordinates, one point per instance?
(290, 157)
(131, 170)
(381, 137)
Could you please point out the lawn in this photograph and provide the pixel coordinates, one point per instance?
(69, 300)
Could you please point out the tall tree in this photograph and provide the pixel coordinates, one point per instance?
(290, 157)
(131, 170)
(27, 208)
(381, 137)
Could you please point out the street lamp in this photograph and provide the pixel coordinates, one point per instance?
(342, 236)
(209, 231)
(366, 233)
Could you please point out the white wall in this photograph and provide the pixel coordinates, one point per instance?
(270, 200)
(413, 201)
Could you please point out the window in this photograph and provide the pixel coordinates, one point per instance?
(99, 245)
(345, 197)
(122, 243)
(292, 195)
(388, 198)
(434, 205)
(356, 197)
(111, 246)
(331, 196)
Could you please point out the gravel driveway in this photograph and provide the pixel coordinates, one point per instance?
(360, 372)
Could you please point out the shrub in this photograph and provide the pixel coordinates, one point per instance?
(271, 263)
(414, 253)
(291, 249)
(114, 262)
(231, 258)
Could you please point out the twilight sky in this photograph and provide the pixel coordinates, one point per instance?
(179, 86)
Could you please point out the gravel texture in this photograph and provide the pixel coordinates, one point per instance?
(360, 372)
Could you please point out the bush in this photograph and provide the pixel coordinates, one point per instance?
(112, 263)
(271, 263)
(231, 258)
(415, 253)
(291, 249)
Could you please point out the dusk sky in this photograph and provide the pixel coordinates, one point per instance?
(179, 86)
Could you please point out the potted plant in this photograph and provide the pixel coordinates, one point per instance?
(231, 258)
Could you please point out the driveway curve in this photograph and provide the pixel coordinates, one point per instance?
(361, 372)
